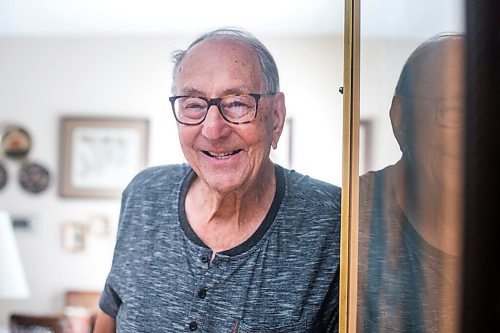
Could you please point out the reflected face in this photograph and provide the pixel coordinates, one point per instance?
(435, 123)
(227, 157)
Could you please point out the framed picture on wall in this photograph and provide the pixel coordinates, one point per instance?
(73, 236)
(99, 156)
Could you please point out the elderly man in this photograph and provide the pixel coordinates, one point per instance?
(410, 218)
(229, 242)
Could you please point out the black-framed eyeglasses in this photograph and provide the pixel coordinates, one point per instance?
(236, 109)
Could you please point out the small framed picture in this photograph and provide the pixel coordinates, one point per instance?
(99, 226)
(99, 156)
(74, 236)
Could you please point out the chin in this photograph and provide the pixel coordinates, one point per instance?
(223, 181)
(225, 187)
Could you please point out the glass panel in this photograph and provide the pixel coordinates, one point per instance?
(411, 164)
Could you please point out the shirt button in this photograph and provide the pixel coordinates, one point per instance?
(204, 259)
(202, 293)
(193, 326)
(221, 264)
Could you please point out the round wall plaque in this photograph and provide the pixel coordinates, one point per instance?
(3, 176)
(16, 142)
(33, 177)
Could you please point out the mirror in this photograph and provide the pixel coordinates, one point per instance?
(411, 153)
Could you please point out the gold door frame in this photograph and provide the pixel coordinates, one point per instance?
(350, 170)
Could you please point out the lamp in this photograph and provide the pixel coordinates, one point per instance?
(12, 279)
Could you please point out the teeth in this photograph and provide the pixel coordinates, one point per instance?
(221, 155)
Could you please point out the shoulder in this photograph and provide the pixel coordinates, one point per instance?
(309, 222)
(378, 206)
(157, 178)
(375, 188)
(312, 192)
(311, 210)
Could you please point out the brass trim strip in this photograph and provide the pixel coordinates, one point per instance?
(350, 170)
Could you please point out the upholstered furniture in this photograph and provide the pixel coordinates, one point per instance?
(80, 310)
(39, 324)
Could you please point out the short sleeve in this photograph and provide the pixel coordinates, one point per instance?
(110, 301)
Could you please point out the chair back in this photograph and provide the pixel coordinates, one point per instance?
(81, 307)
(38, 324)
(83, 299)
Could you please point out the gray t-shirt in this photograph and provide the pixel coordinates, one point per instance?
(284, 278)
(401, 276)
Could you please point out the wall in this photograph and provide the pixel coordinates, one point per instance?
(42, 79)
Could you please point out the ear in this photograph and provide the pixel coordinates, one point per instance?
(397, 121)
(279, 114)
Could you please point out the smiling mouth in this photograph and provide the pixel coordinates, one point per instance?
(221, 156)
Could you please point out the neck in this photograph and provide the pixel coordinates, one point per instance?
(432, 209)
(225, 220)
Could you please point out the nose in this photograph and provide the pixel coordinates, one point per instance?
(214, 126)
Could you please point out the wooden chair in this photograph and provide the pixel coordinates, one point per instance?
(81, 307)
(83, 299)
(38, 324)
(80, 310)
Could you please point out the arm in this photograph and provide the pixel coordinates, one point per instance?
(104, 323)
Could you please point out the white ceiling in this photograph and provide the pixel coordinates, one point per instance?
(389, 18)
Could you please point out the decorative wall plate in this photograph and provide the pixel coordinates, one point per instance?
(33, 177)
(16, 142)
(3, 176)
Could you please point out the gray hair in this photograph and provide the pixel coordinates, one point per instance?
(266, 60)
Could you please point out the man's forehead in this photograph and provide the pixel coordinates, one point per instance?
(223, 47)
(441, 75)
(218, 62)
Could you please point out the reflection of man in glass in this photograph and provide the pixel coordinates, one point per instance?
(410, 212)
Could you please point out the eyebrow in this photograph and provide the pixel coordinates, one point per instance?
(189, 91)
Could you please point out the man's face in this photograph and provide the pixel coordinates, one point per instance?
(228, 157)
(437, 116)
